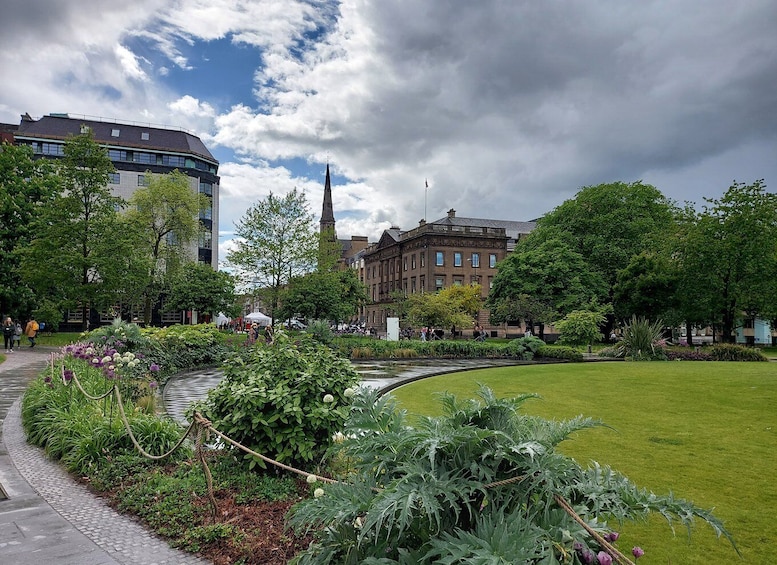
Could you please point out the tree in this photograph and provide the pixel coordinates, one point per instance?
(454, 306)
(581, 327)
(648, 288)
(164, 218)
(275, 242)
(542, 282)
(198, 287)
(26, 185)
(324, 295)
(728, 257)
(608, 224)
(74, 256)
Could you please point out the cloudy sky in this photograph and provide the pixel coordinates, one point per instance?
(506, 107)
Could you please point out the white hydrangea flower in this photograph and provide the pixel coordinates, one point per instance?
(311, 479)
(349, 392)
(318, 493)
(328, 398)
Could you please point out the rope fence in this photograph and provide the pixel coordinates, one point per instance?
(203, 426)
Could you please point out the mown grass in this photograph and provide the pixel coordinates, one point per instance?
(706, 431)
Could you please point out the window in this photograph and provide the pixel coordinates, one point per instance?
(412, 285)
(439, 283)
(114, 178)
(440, 261)
(206, 240)
(412, 261)
(423, 260)
(117, 155)
(206, 188)
(404, 263)
(458, 281)
(422, 283)
(52, 149)
(144, 135)
(114, 133)
(142, 180)
(475, 260)
(492, 260)
(457, 259)
(145, 158)
(207, 211)
(474, 279)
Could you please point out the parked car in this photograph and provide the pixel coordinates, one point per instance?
(294, 324)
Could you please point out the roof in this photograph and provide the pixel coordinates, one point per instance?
(62, 126)
(512, 228)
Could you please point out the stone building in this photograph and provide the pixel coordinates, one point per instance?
(432, 256)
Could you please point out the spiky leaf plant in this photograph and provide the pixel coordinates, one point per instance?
(642, 340)
(481, 484)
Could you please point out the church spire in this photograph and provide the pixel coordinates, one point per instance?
(327, 222)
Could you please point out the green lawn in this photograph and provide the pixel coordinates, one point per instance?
(705, 431)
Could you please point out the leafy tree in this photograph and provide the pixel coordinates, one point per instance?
(26, 185)
(608, 224)
(163, 217)
(728, 257)
(483, 483)
(543, 282)
(324, 295)
(648, 287)
(75, 256)
(198, 287)
(454, 306)
(275, 242)
(581, 327)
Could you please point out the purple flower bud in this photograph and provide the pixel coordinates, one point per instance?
(588, 557)
(152, 385)
(577, 546)
(612, 536)
(47, 380)
(604, 558)
(154, 368)
(637, 552)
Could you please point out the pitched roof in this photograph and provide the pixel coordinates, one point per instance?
(62, 126)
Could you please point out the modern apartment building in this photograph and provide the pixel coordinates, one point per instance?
(136, 150)
(432, 256)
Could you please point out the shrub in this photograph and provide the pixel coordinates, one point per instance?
(642, 340)
(559, 352)
(284, 400)
(321, 332)
(523, 347)
(732, 352)
(481, 484)
(688, 354)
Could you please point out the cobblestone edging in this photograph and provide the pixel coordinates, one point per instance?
(123, 539)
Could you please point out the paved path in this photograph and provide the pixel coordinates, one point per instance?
(47, 517)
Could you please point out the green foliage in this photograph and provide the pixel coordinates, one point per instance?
(284, 400)
(524, 347)
(198, 287)
(731, 352)
(642, 340)
(324, 295)
(648, 287)
(452, 306)
(121, 335)
(434, 492)
(560, 352)
(27, 185)
(180, 347)
(581, 327)
(275, 242)
(321, 332)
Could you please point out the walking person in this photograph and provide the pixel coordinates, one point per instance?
(17, 336)
(31, 330)
(8, 331)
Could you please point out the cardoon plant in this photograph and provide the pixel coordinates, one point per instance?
(481, 484)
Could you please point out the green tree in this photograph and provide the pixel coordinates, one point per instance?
(75, 256)
(648, 288)
(275, 242)
(26, 185)
(542, 282)
(198, 287)
(454, 306)
(608, 224)
(163, 216)
(324, 295)
(728, 257)
(581, 327)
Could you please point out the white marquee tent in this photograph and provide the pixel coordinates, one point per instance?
(259, 318)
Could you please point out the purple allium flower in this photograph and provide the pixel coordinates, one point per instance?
(604, 558)
(67, 375)
(637, 552)
(154, 368)
(577, 546)
(152, 385)
(47, 380)
(587, 557)
(612, 536)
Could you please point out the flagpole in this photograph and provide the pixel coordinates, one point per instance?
(426, 189)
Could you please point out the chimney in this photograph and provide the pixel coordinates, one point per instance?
(451, 213)
(421, 223)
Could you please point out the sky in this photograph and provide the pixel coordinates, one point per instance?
(505, 108)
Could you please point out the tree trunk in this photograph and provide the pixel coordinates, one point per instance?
(689, 332)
